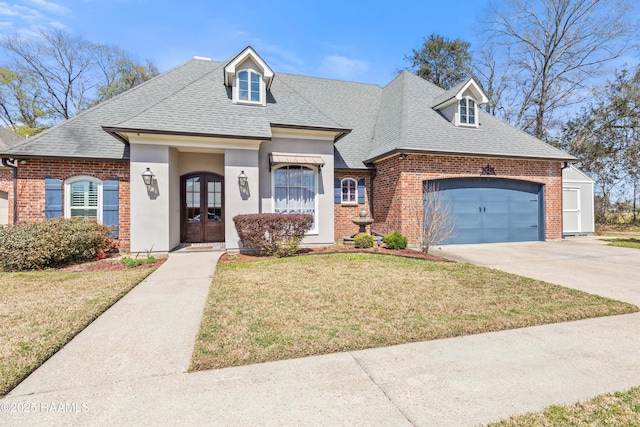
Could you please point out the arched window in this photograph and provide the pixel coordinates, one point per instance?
(249, 86)
(294, 190)
(83, 197)
(467, 111)
(349, 188)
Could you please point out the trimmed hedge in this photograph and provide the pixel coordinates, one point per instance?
(52, 243)
(363, 240)
(273, 234)
(395, 240)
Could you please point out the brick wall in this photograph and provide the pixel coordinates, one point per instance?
(344, 213)
(398, 187)
(31, 176)
(6, 185)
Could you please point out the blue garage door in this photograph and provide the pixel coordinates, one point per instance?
(487, 210)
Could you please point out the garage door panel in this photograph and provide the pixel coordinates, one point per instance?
(489, 210)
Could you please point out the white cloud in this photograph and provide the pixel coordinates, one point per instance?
(16, 11)
(49, 6)
(341, 67)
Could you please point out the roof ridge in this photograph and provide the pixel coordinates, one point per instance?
(331, 79)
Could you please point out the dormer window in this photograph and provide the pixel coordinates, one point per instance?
(249, 86)
(459, 104)
(467, 111)
(249, 78)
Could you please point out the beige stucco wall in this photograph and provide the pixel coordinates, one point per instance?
(150, 210)
(201, 162)
(236, 201)
(174, 198)
(316, 147)
(155, 215)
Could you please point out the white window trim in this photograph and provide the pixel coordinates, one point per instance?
(67, 195)
(475, 112)
(348, 202)
(316, 219)
(260, 82)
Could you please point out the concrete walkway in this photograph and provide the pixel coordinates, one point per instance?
(106, 377)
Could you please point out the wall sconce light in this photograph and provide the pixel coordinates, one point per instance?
(242, 180)
(147, 177)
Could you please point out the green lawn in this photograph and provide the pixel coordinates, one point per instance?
(627, 242)
(615, 409)
(41, 311)
(306, 305)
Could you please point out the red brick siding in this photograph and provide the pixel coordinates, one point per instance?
(6, 185)
(344, 213)
(31, 186)
(398, 187)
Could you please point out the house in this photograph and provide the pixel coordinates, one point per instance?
(578, 216)
(7, 139)
(175, 159)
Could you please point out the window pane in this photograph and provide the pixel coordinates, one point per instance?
(308, 177)
(255, 87)
(280, 176)
(243, 85)
(295, 176)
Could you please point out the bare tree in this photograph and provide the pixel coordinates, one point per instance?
(554, 49)
(69, 73)
(494, 77)
(436, 220)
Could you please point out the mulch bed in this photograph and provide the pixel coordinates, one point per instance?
(108, 264)
(407, 253)
(114, 263)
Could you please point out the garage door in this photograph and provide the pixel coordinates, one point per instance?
(487, 210)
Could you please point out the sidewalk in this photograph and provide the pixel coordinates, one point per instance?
(129, 368)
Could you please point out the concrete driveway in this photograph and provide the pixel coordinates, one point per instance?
(585, 263)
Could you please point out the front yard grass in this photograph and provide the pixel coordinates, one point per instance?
(41, 311)
(306, 305)
(614, 409)
(628, 242)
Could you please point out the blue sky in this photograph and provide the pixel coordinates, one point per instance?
(351, 40)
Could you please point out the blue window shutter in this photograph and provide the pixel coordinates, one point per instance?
(110, 205)
(361, 190)
(337, 190)
(52, 198)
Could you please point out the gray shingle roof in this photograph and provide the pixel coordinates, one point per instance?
(192, 99)
(8, 138)
(83, 136)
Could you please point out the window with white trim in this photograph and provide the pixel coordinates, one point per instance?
(349, 190)
(467, 111)
(249, 86)
(294, 191)
(83, 197)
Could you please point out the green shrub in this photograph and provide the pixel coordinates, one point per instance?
(134, 262)
(395, 240)
(52, 243)
(273, 234)
(363, 240)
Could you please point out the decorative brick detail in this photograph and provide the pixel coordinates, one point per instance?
(344, 213)
(6, 185)
(31, 176)
(398, 187)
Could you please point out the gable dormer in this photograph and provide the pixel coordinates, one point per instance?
(460, 104)
(249, 78)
